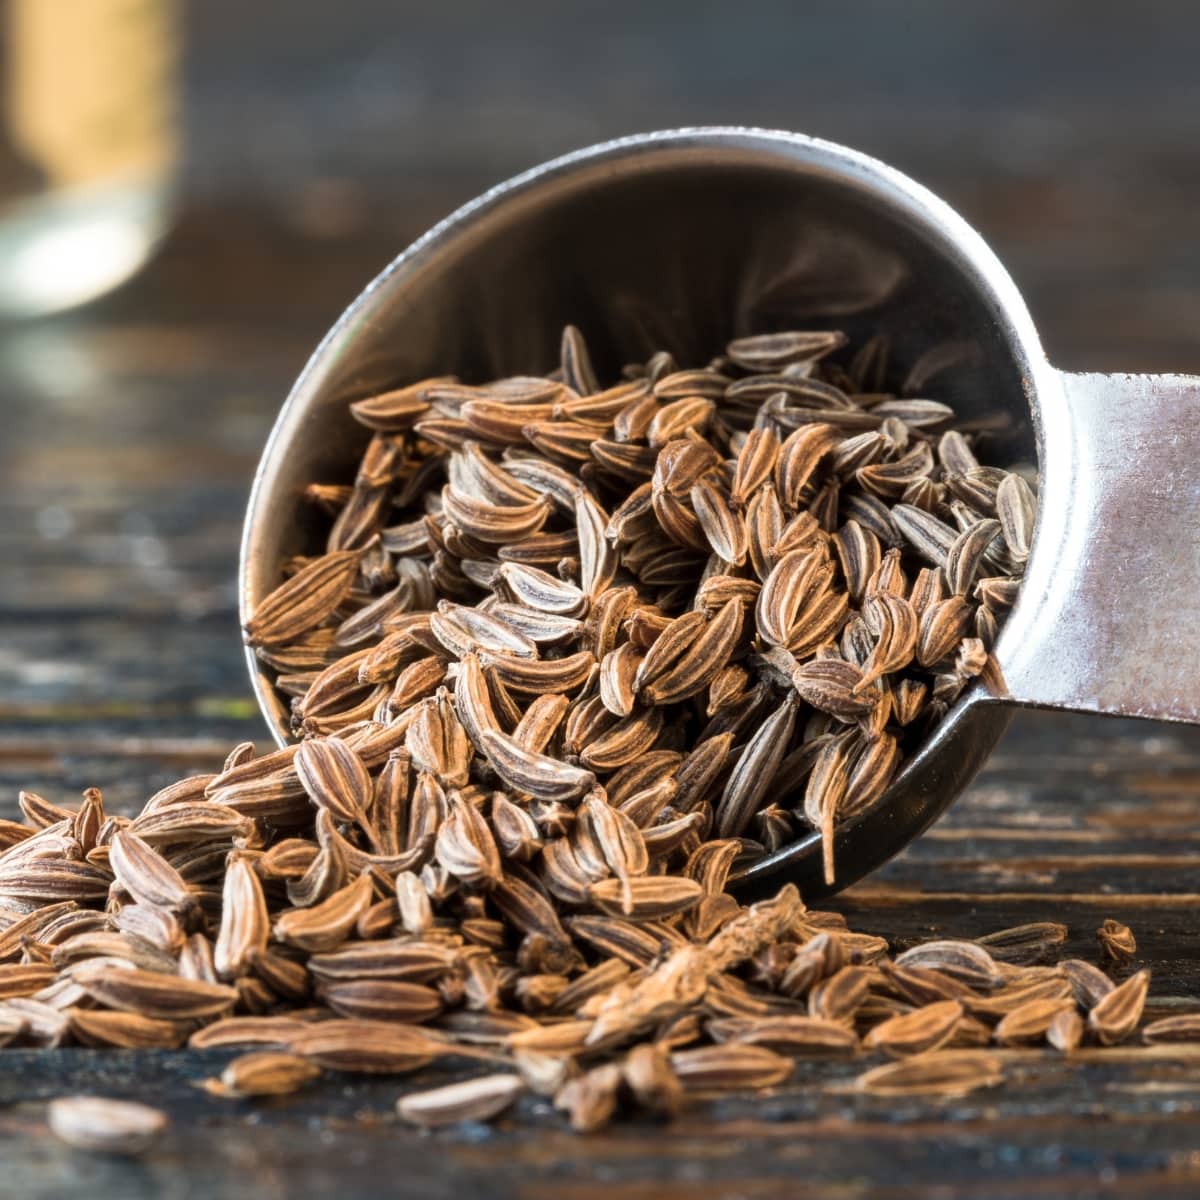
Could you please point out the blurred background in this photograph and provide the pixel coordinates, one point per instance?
(290, 150)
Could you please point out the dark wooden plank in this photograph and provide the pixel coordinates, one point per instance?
(1122, 1126)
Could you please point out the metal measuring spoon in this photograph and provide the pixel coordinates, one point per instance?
(683, 239)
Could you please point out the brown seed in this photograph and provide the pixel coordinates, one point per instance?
(668, 648)
(942, 627)
(722, 526)
(966, 553)
(305, 599)
(128, 1031)
(618, 670)
(1033, 986)
(1031, 1021)
(334, 777)
(764, 522)
(24, 979)
(47, 880)
(624, 742)
(692, 672)
(899, 477)
(35, 1020)
(40, 812)
(543, 592)
(1116, 941)
(870, 773)
(593, 982)
(1016, 506)
(647, 1073)
(755, 771)
(152, 994)
(537, 774)
(562, 1037)
(946, 1073)
(621, 939)
(1116, 1016)
(245, 923)
(731, 1067)
(896, 640)
(1183, 1028)
(796, 580)
(396, 410)
(826, 791)
(771, 351)
(618, 840)
(540, 722)
(388, 958)
(104, 1126)
(247, 1031)
(755, 463)
(838, 997)
(1089, 984)
(516, 832)
(495, 523)
(382, 1000)
(323, 926)
(928, 536)
(590, 1099)
(1025, 943)
(367, 1047)
(677, 418)
(698, 773)
(859, 553)
(831, 685)
(918, 1032)
(800, 1036)
(465, 846)
(964, 961)
(463, 630)
(478, 1099)
(538, 677)
(190, 820)
(1065, 1031)
(264, 1073)
(283, 977)
(577, 370)
(646, 898)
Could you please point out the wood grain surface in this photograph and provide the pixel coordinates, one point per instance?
(128, 434)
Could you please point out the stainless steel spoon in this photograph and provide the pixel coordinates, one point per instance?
(686, 238)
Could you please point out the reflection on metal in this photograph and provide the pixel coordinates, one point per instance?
(685, 238)
(1110, 615)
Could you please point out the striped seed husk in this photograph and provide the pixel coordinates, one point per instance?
(480, 1099)
(946, 1073)
(263, 1073)
(1115, 1017)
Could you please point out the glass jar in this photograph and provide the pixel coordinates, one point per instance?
(88, 145)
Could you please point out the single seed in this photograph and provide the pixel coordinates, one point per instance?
(264, 1073)
(105, 1126)
(479, 1099)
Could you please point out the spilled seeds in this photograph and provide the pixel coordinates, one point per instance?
(572, 657)
(600, 1009)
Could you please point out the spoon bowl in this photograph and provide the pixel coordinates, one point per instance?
(685, 239)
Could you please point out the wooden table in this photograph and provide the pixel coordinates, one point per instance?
(127, 437)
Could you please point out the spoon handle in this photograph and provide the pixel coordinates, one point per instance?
(1108, 619)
